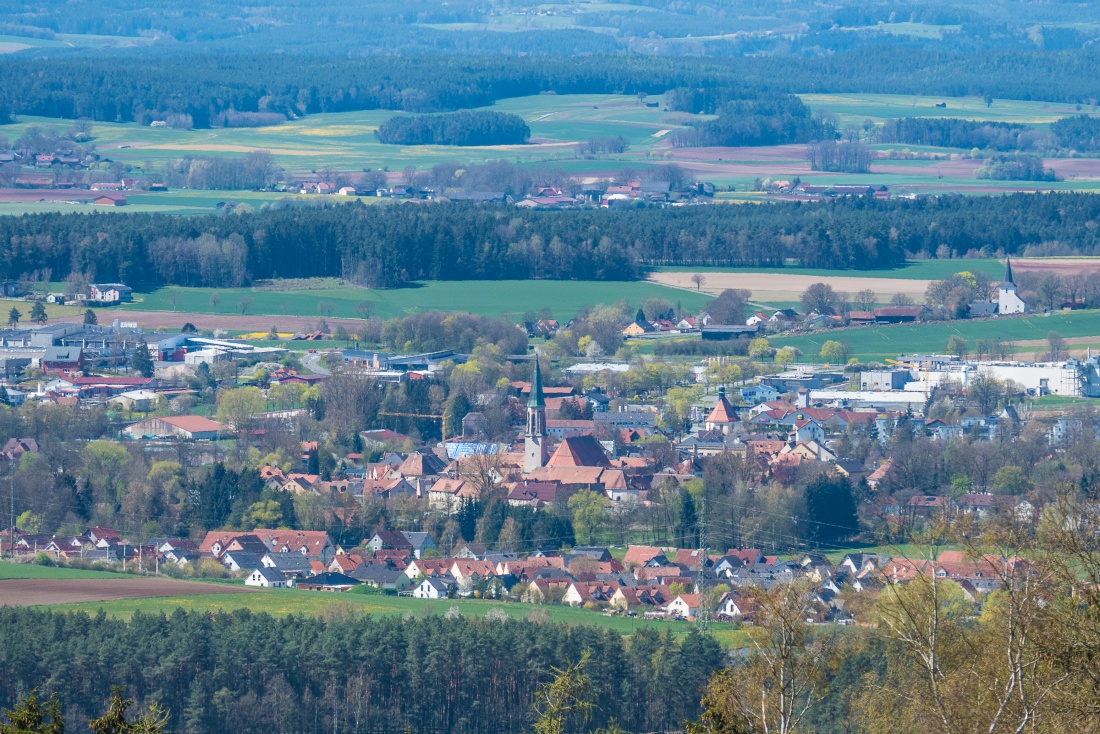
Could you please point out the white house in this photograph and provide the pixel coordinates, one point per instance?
(1008, 301)
(727, 607)
(684, 606)
(432, 588)
(266, 577)
(757, 318)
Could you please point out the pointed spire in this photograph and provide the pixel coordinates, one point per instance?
(536, 400)
(1008, 272)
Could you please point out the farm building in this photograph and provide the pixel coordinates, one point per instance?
(110, 200)
(191, 427)
(110, 293)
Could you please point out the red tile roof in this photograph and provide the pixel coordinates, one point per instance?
(579, 451)
(193, 423)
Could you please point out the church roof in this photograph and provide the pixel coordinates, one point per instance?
(579, 451)
(723, 412)
(536, 400)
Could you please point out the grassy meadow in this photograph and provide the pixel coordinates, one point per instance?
(489, 298)
(345, 141)
(34, 571)
(880, 342)
(283, 602)
(853, 109)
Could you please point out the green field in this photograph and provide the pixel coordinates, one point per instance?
(345, 141)
(282, 602)
(853, 109)
(880, 342)
(34, 571)
(490, 298)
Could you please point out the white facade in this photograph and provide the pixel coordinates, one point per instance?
(430, 589)
(1008, 302)
(1072, 378)
(266, 578)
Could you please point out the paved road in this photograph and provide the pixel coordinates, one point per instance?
(315, 363)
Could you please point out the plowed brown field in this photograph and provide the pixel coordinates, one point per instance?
(33, 592)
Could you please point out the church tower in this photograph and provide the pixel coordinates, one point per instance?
(535, 451)
(1008, 301)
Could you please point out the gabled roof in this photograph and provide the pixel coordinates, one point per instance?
(193, 423)
(269, 574)
(421, 465)
(392, 539)
(579, 451)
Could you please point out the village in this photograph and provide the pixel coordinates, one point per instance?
(585, 454)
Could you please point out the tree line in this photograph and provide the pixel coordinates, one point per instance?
(765, 120)
(206, 86)
(1080, 133)
(1075, 134)
(242, 672)
(951, 132)
(397, 245)
(467, 127)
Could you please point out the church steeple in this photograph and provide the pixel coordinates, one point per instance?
(535, 449)
(1008, 273)
(536, 400)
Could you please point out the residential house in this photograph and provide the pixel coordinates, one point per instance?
(535, 495)
(290, 565)
(471, 551)
(731, 607)
(268, 578)
(381, 576)
(644, 556)
(433, 588)
(420, 543)
(241, 561)
(923, 505)
(580, 593)
(447, 495)
(389, 540)
(685, 606)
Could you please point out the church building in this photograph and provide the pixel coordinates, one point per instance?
(1008, 300)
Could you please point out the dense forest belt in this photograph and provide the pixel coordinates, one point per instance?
(125, 87)
(467, 127)
(250, 672)
(391, 246)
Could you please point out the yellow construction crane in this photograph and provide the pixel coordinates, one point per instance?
(441, 417)
(926, 368)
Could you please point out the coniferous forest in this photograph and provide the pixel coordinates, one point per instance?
(243, 672)
(207, 86)
(392, 246)
(481, 127)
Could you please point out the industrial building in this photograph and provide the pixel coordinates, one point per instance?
(1072, 377)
